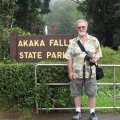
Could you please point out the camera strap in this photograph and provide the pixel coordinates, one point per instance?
(83, 49)
(81, 46)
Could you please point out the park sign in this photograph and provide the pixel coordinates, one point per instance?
(35, 48)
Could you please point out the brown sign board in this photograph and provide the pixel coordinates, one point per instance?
(35, 48)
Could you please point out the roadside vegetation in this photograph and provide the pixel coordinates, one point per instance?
(17, 84)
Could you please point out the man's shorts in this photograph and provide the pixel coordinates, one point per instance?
(90, 85)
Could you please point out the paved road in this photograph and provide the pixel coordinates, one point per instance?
(56, 116)
(67, 116)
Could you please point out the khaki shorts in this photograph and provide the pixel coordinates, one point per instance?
(76, 87)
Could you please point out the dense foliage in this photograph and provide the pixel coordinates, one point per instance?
(5, 41)
(26, 14)
(17, 84)
(104, 17)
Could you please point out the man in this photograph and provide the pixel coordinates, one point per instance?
(79, 77)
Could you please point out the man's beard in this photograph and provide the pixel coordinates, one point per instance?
(82, 33)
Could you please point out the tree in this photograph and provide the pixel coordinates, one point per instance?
(116, 36)
(7, 9)
(26, 14)
(102, 18)
(30, 14)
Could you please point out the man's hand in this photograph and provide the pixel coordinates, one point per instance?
(89, 59)
(71, 76)
(95, 59)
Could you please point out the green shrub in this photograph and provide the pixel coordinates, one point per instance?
(17, 84)
(109, 56)
(5, 40)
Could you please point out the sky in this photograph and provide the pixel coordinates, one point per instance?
(52, 2)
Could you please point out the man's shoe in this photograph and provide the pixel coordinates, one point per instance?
(76, 116)
(93, 116)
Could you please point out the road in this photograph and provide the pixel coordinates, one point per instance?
(55, 116)
(68, 116)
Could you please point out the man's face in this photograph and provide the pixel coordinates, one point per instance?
(81, 28)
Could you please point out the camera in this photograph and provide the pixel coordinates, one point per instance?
(88, 58)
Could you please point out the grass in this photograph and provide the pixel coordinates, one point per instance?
(105, 98)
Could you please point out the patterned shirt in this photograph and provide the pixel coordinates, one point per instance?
(74, 53)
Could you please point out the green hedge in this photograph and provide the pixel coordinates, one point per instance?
(17, 84)
(53, 96)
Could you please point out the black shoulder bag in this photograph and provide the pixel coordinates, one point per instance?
(99, 70)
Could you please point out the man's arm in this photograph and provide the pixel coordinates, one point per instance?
(98, 54)
(95, 59)
(70, 70)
